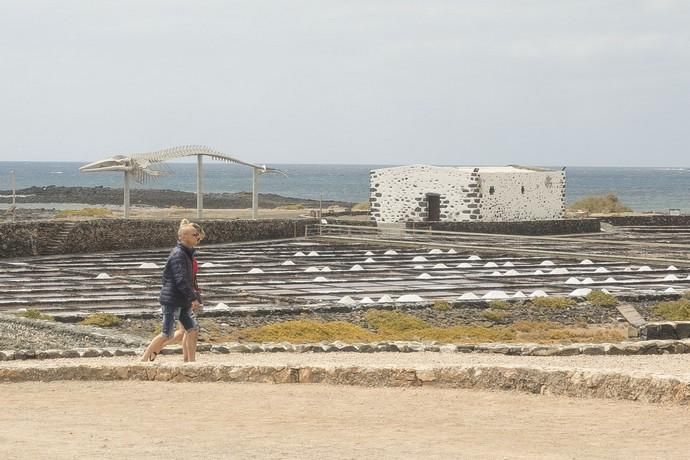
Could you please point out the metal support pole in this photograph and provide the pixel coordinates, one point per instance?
(14, 195)
(126, 197)
(255, 193)
(199, 186)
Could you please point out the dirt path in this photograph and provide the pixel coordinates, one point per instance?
(66, 420)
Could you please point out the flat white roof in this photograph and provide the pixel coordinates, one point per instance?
(485, 169)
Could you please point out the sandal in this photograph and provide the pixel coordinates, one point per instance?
(152, 356)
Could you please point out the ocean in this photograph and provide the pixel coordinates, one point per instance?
(642, 189)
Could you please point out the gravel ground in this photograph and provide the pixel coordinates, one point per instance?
(677, 365)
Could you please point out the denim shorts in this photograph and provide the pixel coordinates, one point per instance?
(188, 319)
(170, 315)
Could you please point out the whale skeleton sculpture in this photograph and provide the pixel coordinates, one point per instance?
(144, 167)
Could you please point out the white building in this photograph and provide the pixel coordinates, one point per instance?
(421, 193)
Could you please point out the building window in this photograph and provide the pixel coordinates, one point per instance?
(522, 189)
(491, 190)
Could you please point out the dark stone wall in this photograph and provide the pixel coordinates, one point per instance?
(536, 227)
(24, 239)
(662, 220)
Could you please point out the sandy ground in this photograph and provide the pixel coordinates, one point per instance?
(66, 420)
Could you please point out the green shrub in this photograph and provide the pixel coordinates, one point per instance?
(552, 302)
(601, 299)
(600, 204)
(33, 313)
(101, 320)
(495, 315)
(499, 304)
(441, 305)
(676, 310)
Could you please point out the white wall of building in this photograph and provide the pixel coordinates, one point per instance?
(399, 194)
(522, 195)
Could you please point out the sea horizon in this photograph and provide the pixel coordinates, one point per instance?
(642, 188)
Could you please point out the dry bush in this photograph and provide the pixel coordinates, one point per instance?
(495, 315)
(601, 299)
(401, 326)
(308, 331)
(101, 320)
(33, 313)
(549, 332)
(605, 204)
(441, 305)
(552, 302)
(499, 304)
(675, 310)
(363, 206)
(388, 322)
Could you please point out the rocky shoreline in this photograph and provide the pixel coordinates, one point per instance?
(157, 198)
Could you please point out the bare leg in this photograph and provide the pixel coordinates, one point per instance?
(189, 345)
(177, 338)
(185, 352)
(154, 347)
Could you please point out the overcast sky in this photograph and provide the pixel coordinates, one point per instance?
(576, 83)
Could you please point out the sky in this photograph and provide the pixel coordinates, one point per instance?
(570, 82)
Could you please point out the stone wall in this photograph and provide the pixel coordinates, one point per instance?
(656, 219)
(536, 227)
(36, 238)
(24, 333)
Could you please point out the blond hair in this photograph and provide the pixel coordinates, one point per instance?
(186, 226)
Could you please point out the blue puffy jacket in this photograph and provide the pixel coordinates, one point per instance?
(178, 288)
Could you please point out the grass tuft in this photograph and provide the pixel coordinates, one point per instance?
(33, 313)
(499, 304)
(675, 310)
(308, 331)
(602, 299)
(552, 302)
(600, 204)
(402, 326)
(101, 320)
(391, 322)
(441, 305)
(495, 315)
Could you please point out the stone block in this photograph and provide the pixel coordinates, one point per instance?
(220, 349)
(69, 354)
(683, 329)
(48, 354)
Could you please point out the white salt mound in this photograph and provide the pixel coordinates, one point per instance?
(148, 265)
